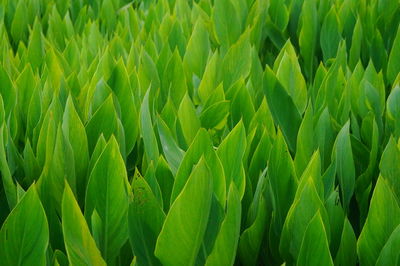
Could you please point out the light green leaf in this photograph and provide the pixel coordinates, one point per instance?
(330, 34)
(107, 195)
(209, 79)
(215, 116)
(313, 171)
(393, 67)
(314, 247)
(79, 243)
(307, 203)
(197, 50)
(305, 141)
(174, 83)
(226, 23)
(24, 235)
(383, 218)
(26, 83)
(146, 130)
(283, 109)
(345, 169)
(119, 83)
(36, 46)
(289, 75)
(172, 152)
(232, 160)
(389, 168)
(237, 61)
(390, 252)
(75, 133)
(7, 91)
(145, 220)
(188, 119)
(9, 187)
(224, 250)
(356, 44)
(309, 36)
(103, 122)
(242, 106)
(279, 14)
(98, 149)
(283, 182)
(19, 26)
(251, 238)
(186, 221)
(393, 110)
(347, 253)
(201, 145)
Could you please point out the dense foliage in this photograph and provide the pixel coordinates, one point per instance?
(185, 132)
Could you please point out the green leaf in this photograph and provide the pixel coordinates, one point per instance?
(279, 14)
(7, 91)
(226, 23)
(9, 187)
(75, 133)
(165, 179)
(146, 130)
(313, 171)
(324, 137)
(209, 79)
(330, 34)
(188, 119)
(389, 254)
(59, 167)
(31, 166)
(356, 44)
(232, 160)
(242, 106)
(201, 145)
(347, 253)
(173, 153)
(174, 82)
(309, 36)
(98, 149)
(283, 181)
(119, 83)
(145, 220)
(345, 169)
(282, 107)
(215, 116)
(393, 111)
(152, 182)
(224, 250)
(197, 49)
(306, 204)
(314, 247)
(147, 73)
(103, 122)
(383, 218)
(237, 61)
(289, 75)
(19, 26)
(36, 46)
(24, 236)
(336, 221)
(187, 220)
(79, 243)
(251, 238)
(393, 66)
(107, 195)
(26, 83)
(305, 141)
(389, 167)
